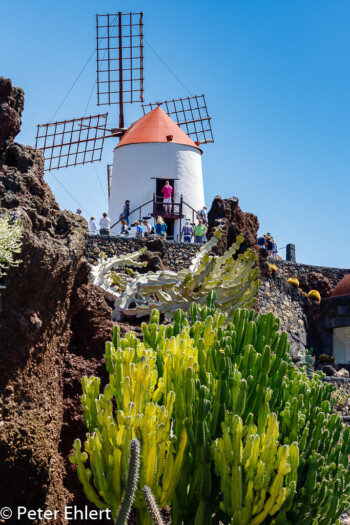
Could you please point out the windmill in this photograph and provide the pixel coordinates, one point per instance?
(163, 145)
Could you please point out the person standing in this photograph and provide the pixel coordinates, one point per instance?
(92, 226)
(203, 215)
(199, 232)
(262, 241)
(138, 234)
(147, 228)
(126, 212)
(187, 231)
(167, 191)
(274, 249)
(105, 224)
(79, 212)
(269, 245)
(161, 227)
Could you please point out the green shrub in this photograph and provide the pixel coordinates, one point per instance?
(10, 241)
(229, 429)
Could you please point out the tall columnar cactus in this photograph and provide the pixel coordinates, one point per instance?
(217, 405)
(258, 476)
(131, 484)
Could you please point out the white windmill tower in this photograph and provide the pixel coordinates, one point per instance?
(160, 146)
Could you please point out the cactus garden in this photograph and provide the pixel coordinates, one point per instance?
(230, 432)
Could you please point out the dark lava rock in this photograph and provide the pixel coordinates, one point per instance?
(52, 328)
(317, 281)
(227, 215)
(329, 370)
(11, 107)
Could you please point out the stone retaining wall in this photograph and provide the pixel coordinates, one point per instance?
(289, 304)
(288, 269)
(175, 255)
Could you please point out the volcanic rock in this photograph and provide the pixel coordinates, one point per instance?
(329, 370)
(342, 373)
(46, 310)
(227, 215)
(11, 107)
(317, 281)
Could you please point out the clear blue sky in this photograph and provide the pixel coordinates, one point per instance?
(276, 75)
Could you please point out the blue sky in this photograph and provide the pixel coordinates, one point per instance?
(276, 75)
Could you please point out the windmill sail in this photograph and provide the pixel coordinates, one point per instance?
(190, 114)
(72, 142)
(119, 59)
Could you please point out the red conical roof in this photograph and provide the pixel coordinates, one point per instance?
(155, 126)
(342, 288)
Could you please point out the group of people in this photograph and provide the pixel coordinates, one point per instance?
(105, 225)
(267, 242)
(188, 233)
(198, 232)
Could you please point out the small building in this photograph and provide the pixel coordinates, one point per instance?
(335, 313)
(153, 150)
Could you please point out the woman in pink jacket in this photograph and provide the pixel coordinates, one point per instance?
(167, 191)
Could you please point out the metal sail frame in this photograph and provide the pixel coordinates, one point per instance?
(119, 47)
(190, 113)
(72, 142)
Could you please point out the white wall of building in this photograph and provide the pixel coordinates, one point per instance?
(135, 167)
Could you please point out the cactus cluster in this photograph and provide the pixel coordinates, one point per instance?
(235, 281)
(294, 281)
(314, 295)
(230, 431)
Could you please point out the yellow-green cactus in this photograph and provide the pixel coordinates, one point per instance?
(294, 281)
(210, 383)
(314, 295)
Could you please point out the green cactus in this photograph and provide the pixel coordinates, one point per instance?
(230, 430)
(152, 506)
(131, 484)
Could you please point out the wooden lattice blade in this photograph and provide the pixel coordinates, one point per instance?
(190, 114)
(119, 58)
(72, 142)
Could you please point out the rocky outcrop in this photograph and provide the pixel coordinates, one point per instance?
(227, 215)
(11, 107)
(36, 309)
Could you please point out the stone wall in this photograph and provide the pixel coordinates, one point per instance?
(289, 304)
(174, 255)
(302, 271)
(302, 318)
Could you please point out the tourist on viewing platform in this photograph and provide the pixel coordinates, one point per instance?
(79, 212)
(269, 244)
(92, 226)
(262, 241)
(202, 214)
(147, 228)
(105, 224)
(126, 212)
(274, 249)
(161, 227)
(167, 191)
(124, 229)
(139, 230)
(199, 232)
(187, 231)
